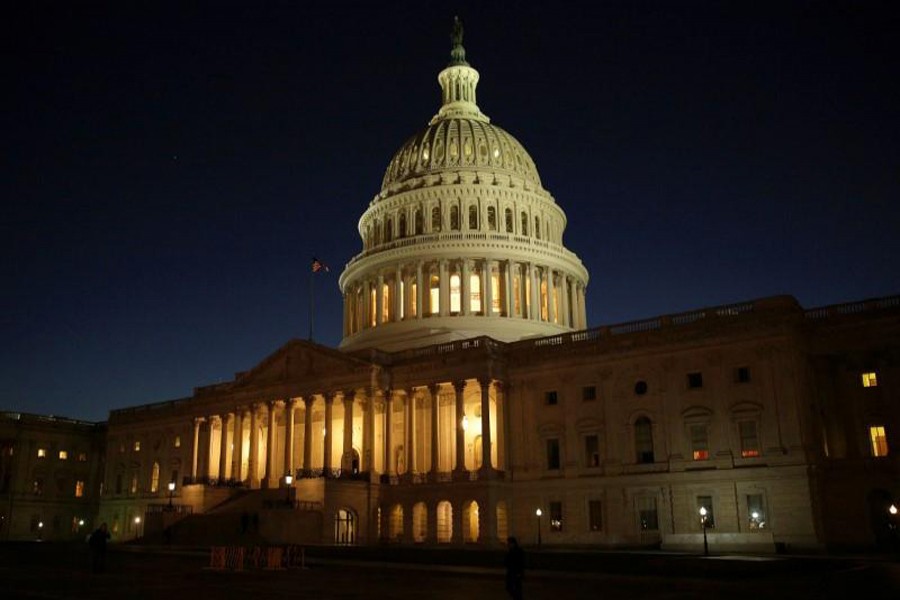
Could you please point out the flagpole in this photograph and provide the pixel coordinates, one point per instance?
(312, 276)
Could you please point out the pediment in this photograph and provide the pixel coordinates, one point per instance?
(300, 361)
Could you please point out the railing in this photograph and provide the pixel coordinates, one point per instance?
(167, 404)
(853, 308)
(179, 509)
(212, 482)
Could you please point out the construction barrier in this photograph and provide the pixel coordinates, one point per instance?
(236, 558)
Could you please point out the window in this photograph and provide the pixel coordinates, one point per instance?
(473, 217)
(551, 397)
(524, 224)
(509, 220)
(643, 440)
(589, 393)
(556, 516)
(749, 439)
(455, 294)
(388, 230)
(82, 457)
(492, 218)
(869, 379)
(878, 438)
(640, 388)
(694, 380)
(418, 222)
(134, 484)
(699, 441)
(742, 375)
(647, 515)
(595, 515)
(177, 441)
(552, 454)
(710, 518)
(591, 451)
(37, 486)
(137, 446)
(434, 294)
(756, 512)
(154, 478)
(63, 455)
(42, 453)
(436, 218)
(454, 218)
(537, 227)
(79, 488)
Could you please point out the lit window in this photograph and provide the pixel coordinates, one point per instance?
(63, 455)
(475, 293)
(878, 437)
(870, 379)
(79, 489)
(756, 512)
(82, 457)
(556, 516)
(710, 518)
(178, 441)
(42, 453)
(134, 484)
(137, 446)
(455, 294)
(154, 478)
(435, 294)
(749, 439)
(700, 441)
(591, 451)
(595, 515)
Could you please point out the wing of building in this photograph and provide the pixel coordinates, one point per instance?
(469, 400)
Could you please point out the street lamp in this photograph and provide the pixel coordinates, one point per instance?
(703, 514)
(538, 514)
(288, 480)
(171, 492)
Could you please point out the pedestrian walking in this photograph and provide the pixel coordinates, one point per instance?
(97, 543)
(515, 568)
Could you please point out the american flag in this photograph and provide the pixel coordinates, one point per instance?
(318, 265)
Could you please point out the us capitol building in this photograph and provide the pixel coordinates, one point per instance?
(469, 400)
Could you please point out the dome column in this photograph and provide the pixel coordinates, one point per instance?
(534, 309)
(398, 294)
(419, 290)
(487, 290)
(551, 296)
(460, 468)
(464, 288)
(507, 297)
(379, 300)
(444, 288)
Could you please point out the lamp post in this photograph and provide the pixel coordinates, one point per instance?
(703, 514)
(892, 527)
(288, 480)
(538, 514)
(171, 493)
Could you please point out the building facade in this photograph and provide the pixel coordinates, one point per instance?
(469, 400)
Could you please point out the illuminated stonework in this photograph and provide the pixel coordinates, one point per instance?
(462, 240)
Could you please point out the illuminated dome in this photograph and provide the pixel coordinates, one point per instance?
(462, 240)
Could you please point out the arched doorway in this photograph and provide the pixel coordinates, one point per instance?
(344, 527)
(420, 522)
(350, 462)
(395, 524)
(444, 522)
(470, 523)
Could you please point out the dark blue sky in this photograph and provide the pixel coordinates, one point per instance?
(170, 171)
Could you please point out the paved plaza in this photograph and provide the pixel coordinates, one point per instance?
(56, 572)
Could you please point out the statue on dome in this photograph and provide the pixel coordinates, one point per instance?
(457, 53)
(457, 35)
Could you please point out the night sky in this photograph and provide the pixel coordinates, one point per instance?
(170, 171)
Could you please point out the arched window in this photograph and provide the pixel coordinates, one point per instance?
(470, 523)
(454, 218)
(643, 440)
(377, 232)
(434, 297)
(419, 223)
(420, 522)
(492, 218)
(524, 224)
(402, 233)
(537, 227)
(154, 478)
(388, 230)
(344, 527)
(475, 293)
(455, 294)
(473, 217)
(395, 525)
(436, 218)
(509, 220)
(444, 522)
(502, 524)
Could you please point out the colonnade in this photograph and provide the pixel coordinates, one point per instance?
(465, 287)
(434, 432)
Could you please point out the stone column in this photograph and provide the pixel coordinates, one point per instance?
(387, 433)
(535, 306)
(419, 290)
(460, 467)
(485, 425)
(271, 478)
(444, 288)
(348, 397)
(500, 390)
(410, 421)
(290, 405)
(465, 290)
(434, 390)
(195, 465)
(223, 452)
(369, 434)
(566, 312)
(488, 289)
(551, 301)
(398, 295)
(211, 421)
(582, 306)
(308, 401)
(326, 455)
(507, 297)
(252, 462)
(238, 440)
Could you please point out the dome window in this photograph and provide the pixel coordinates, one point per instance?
(439, 151)
(509, 220)
(496, 152)
(492, 218)
(454, 151)
(425, 154)
(436, 218)
(454, 218)
(419, 224)
(524, 224)
(483, 150)
(473, 217)
(467, 149)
